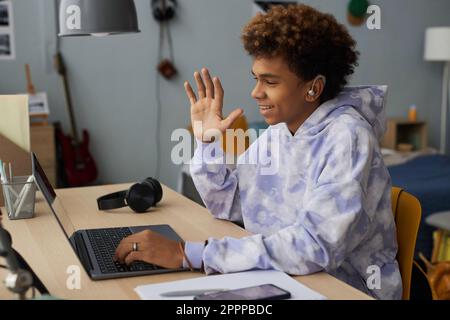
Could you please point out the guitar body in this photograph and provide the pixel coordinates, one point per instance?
(79, 166)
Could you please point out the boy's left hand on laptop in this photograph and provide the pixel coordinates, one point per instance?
(151, 247)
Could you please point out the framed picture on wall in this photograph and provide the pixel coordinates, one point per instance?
(4, 14)
(264, 6)
(7, 41)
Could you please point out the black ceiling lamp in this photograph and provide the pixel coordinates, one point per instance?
(97, 17)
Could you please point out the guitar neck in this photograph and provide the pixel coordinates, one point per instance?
(62, 72)
(30, 87)
(73, 124)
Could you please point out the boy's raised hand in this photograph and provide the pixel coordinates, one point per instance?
(206, 107)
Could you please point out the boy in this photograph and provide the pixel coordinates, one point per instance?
(327, 207)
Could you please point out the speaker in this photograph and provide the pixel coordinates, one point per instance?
(139, 197)
(164, 10)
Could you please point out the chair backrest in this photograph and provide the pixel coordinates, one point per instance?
(241, 142)
(236, 147)
(407, 213)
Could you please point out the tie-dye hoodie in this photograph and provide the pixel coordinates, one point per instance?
(318, 200)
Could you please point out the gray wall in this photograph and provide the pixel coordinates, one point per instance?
(113, 78)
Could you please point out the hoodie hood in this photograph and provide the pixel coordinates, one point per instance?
(368, 101)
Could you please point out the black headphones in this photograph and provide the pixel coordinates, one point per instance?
(139, 197)
(163, 9)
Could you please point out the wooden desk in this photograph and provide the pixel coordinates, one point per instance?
(44, 246)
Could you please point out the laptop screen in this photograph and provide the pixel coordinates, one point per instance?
(49, 194)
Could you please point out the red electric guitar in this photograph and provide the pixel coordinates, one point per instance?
(79, 165)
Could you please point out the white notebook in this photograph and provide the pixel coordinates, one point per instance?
(229, 281)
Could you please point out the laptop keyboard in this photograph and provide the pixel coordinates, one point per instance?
(104, 243)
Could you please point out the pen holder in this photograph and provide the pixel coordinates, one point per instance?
(19, 197)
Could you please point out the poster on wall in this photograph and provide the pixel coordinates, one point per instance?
(264, 6)
(7, 41)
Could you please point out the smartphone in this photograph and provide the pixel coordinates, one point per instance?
(261, 292)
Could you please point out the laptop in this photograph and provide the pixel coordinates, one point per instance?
(95, 248)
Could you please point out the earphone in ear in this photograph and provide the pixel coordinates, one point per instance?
(311, 91)
(139, 197)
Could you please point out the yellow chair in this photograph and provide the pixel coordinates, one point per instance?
(240, 123)
(238, 148)
(407, 212)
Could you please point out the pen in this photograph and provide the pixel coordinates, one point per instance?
(10, 172)
(4, 176)
(23, 195)
(185, 293)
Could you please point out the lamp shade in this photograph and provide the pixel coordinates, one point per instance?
(437, 44)
(97, 17)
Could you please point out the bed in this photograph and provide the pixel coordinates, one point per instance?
(427, 177)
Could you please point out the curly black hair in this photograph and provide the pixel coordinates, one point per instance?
(311, 42)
